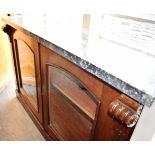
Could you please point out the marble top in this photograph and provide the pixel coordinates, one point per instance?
(81, 39)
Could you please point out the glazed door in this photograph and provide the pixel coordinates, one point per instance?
(27, 57)
(70, 108)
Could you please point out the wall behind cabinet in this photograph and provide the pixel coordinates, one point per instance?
(6, 71)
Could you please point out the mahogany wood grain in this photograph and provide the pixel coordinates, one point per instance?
(91, 83)
(70, 107)
(108, 128)
(24, 43)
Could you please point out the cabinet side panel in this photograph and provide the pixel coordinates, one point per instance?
(108, 128)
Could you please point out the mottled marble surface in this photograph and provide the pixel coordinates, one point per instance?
(79, 41)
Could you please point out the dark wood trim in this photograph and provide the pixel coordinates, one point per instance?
(34, 48)
(17, 63)
(7, 29)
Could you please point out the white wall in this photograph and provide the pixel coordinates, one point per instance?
(145, 129)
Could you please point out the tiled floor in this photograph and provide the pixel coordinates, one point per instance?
(15, 124)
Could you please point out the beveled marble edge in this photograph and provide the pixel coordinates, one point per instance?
(135, 93)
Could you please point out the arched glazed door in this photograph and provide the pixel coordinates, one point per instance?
(28, 65)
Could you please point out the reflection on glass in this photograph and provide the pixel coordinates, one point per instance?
(72, 108)
(27, 67)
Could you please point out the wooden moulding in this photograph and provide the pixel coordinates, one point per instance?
(125, 110)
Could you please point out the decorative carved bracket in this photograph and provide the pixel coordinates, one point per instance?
(8, 29)
(125, 110)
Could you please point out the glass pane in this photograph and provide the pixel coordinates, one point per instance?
(27, 67)
(72, 108)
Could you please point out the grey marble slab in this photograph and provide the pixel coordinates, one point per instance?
(79, 39)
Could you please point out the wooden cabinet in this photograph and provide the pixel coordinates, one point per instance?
(77, 106)
(71, 108)
(66, 102)
(27, 61)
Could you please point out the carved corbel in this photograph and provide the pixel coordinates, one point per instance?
(8, 30)
(125, 110)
